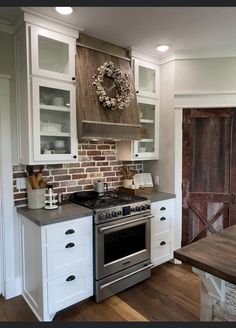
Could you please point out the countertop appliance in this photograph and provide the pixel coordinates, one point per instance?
(121, 240)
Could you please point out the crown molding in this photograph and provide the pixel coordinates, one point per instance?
(6, 27)
(141, 54)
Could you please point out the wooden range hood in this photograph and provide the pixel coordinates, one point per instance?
(93, 120)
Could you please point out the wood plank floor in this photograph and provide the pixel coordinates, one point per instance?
(171, 294)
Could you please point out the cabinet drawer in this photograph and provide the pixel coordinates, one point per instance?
(161, 249)
(62, 257)
(160, 224)
(69, 229)
(163, 208)
(69, 289)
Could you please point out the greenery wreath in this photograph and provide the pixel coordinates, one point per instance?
(123, 83)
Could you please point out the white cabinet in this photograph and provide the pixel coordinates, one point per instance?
(147, 80)
(57, 265)
(52, 54)
(146, 77)
(162, 231)
(45, 67)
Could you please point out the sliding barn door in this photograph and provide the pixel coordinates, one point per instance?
(209, 172)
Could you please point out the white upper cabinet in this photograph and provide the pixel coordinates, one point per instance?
(147, 147)
(146, 76)
(52, 54)
(54, 121)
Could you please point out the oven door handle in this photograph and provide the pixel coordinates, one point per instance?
(124, 223)
(126, 276)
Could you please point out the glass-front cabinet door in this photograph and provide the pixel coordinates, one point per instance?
(146, 78)
(147, 147)
(54, 121)
(52, 54)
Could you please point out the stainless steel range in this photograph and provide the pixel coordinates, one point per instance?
(121, 240)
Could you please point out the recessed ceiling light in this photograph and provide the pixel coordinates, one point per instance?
(64, 10)
(162, 47)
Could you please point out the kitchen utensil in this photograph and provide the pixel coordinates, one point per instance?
(50, 199)
(100, 186)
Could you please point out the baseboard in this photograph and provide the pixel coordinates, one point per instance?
(13, 287)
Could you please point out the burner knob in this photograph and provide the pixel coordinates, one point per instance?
(132, 209)
(138, 208)
(148, 206)
(119, 213)
(102, 216)
(143, 207)
(113, 214)
(108, 215)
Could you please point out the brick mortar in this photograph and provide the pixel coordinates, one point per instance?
(83, 183)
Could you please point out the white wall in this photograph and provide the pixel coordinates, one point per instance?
(212, 74)
(7, 67)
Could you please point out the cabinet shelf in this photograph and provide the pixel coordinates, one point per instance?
(142, 120)
(55, 134)
(146, 140)
(55, 108)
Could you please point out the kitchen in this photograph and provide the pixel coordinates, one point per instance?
(72, 172)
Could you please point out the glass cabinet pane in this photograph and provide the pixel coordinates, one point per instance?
(55, 121)
(147, 78)
(53, 55)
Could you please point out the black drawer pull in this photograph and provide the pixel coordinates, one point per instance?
(70, 278)
(162, 208)
(162, 243)
(70, 245)
(162, 219)
(69, 231)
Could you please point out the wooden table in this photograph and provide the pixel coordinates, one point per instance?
(214, 259)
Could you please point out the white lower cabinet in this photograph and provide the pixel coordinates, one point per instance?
(57, 267)
(162, 231)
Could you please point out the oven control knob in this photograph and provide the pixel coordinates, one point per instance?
(148, 206)
(102, 216)
(132, 209)
(119, 213)
(143, 207)
(138, 208)
(113, 214)
(108, 215)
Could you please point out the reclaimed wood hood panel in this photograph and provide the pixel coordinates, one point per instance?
(93, 120)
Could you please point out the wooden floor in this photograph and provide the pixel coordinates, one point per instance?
(171, 294)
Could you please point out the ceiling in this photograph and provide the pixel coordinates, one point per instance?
(183, 28)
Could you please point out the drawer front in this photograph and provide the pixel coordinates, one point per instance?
(64, 231)
(163, 208)
(161, 249)
(69, 289)
(160, 224)
(62, 257)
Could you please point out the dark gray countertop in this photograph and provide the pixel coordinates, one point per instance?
(156, 196)
(64, 212)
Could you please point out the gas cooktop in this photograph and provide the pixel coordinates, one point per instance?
(108, 199)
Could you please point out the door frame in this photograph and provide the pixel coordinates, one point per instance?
(184, 100)
(7, 240)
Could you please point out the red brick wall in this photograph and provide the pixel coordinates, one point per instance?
(96, 160)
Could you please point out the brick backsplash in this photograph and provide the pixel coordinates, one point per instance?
(96, 161)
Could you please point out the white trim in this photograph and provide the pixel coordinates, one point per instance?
(50, 23)
(7, 202)
(143, 55)
(205, 100)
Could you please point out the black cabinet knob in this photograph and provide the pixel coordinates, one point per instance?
(73, 78)
(162, 208)
(70, 231)
(75, 156)
(136, 155)
(137, 91)
(162, 243)
(70, 278)
(70, 245)
(163, 218)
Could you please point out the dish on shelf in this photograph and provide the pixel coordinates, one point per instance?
(50, 127)
(142, 149)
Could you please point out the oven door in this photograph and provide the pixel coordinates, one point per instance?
(121, 243)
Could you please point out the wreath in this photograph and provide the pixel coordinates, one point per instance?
(123, 83)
